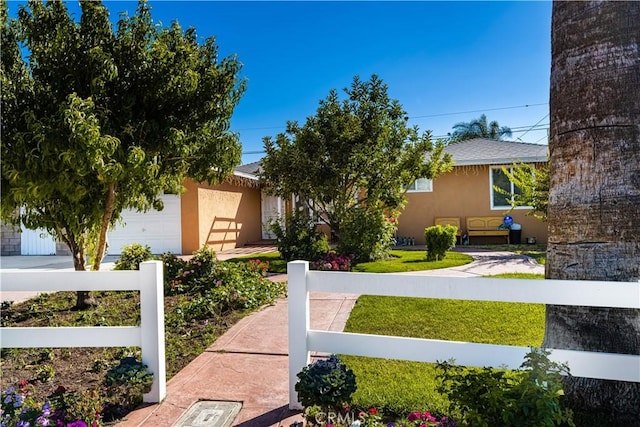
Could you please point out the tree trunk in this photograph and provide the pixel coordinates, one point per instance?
(83, 298)
(101, 246)
(594, 199)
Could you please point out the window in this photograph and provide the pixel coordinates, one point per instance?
(422, 185)
(499, 179)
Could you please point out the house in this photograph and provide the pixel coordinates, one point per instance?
(222, 216)
(467, 191)
(235, 212)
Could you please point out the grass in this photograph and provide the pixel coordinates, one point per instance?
(412, 260)
(401, 386)
(400, 260)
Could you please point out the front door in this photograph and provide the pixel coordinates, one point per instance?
(272, 210)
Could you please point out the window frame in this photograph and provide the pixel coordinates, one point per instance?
(512, 189)
(412, 188)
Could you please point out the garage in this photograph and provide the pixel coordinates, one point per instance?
(161, 230)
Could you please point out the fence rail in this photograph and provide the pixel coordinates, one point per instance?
(149, 336)
(303, 340)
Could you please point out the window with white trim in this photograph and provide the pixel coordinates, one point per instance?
(497, 178)
(420, 185)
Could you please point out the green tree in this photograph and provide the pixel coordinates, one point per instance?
(97, 120)
(533, 185)
(478, 128)
(353, 153)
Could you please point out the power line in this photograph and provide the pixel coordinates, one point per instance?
(517, 129)
(426, 116)
(544, 137)
(478, 111)
(547, 115)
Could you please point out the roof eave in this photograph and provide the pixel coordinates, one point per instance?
(504, 161)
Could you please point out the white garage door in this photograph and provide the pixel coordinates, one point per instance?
(37, 242)
(161, 230)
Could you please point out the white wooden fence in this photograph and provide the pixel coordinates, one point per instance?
(149, 335)
(303, 340)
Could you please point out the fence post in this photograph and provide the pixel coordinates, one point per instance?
(152, 328)
(298, 301)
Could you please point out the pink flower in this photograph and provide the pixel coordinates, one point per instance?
(414, 416)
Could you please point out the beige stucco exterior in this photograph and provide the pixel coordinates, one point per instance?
(464, 192)
(223, 216)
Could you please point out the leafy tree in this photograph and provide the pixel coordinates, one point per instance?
(478, 128)
(533, 183)
(353, 153)
(97, 120)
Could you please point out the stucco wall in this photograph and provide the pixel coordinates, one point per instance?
(461, 193)
(223, 216)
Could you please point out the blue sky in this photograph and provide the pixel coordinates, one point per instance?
(437, 58)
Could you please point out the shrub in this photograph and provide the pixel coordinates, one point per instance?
(192, 276)
(331, 261)
(529, 396)
(299, 238)
(367, 234)
(216, 287)
(439, 240)
(129, 380)
(172, 267)
(326, 383)
(132, 255)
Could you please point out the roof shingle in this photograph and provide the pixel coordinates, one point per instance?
(483, 151)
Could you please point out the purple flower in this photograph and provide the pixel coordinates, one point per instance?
(77, 423)
(41, 420)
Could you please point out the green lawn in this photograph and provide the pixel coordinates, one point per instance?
(412, 260)
(400, 386)
(401, 260)
(276, 263)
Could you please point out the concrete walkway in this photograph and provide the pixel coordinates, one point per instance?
(249, 363)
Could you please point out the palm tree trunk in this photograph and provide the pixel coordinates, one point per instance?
(594, 199)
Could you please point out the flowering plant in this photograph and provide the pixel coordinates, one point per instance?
(331, 261)
(258, 266)
(20, 409)
(425, 419)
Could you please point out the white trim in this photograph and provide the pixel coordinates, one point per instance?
(246, 175)
(491, 190)
(412, 187)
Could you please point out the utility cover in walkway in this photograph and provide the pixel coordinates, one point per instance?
(208, 413)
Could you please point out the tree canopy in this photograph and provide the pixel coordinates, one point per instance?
(478, 128)
(96, 120)
(533, 185)
(355, 155)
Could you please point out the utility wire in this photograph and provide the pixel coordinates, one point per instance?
(478, 111)
(547, 115)
(428, 115)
